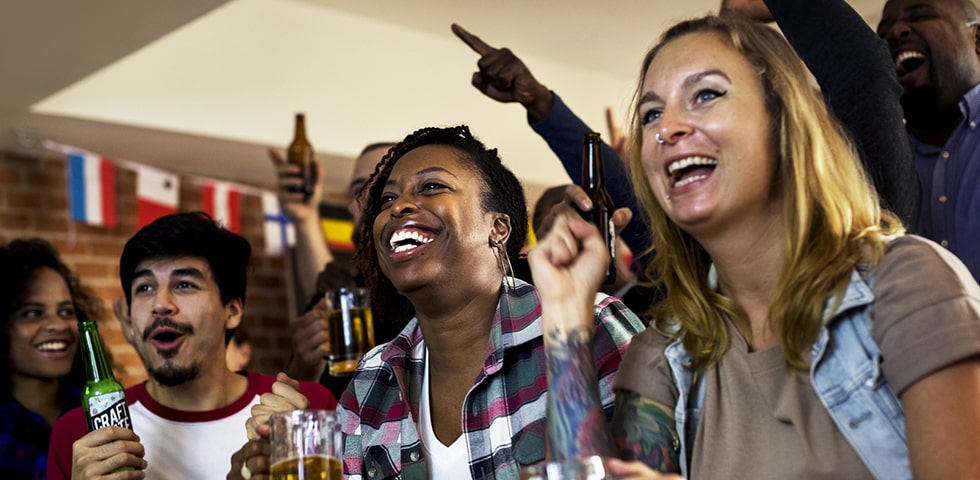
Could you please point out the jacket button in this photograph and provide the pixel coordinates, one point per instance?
(372, 472)
(414, 456)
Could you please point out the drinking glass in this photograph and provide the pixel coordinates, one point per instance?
(350, 329)
(306, 445)
(586, 468)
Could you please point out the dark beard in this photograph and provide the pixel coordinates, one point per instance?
(171, 376)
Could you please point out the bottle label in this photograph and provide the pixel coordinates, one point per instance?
(107, 410)
(612, 241)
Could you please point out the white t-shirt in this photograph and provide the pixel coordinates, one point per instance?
(444, 461)
(180, 445)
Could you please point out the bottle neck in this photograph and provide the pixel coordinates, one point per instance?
(96, 362)
(592, 176)
(300, 127)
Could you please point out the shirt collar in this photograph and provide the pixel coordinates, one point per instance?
(515, 322)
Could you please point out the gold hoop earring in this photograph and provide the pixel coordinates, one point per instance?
(503, 263)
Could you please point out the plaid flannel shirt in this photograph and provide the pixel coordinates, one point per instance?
(504, 411)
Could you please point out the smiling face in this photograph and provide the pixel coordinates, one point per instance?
(714, 156)
(934, 45)
(177, 321)
(432, 227)
(43, 330)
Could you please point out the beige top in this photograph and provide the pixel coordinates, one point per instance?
(759, 421)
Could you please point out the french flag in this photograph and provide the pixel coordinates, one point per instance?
(221, 201)
(156, 195)
(92, 189)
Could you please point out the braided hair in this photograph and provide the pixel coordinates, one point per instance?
(502, 193)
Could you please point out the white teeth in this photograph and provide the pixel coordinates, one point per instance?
(907, 55)
(396, 245)
(52, 346)
(690, 161)
(688, 180)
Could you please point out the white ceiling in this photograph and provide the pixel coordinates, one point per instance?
(201, 86)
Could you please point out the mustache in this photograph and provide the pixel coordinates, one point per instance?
(161, 322)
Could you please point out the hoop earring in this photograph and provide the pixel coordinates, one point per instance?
(503, 263)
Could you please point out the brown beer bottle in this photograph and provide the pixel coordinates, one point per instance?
(601, 215)
(300, 153)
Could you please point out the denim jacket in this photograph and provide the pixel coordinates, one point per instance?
(846, 374)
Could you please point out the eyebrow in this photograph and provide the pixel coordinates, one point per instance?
(690, 80)
(889, 21)
(43, 305)
(178, 272)
(424, 171)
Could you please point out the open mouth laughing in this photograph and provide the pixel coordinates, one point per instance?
(907, 61)
(407, 239)
(689, 170)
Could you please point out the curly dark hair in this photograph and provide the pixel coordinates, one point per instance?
(503, 193)
(193, 234)
(19, 260)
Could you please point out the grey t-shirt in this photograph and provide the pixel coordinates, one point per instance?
(761, 421)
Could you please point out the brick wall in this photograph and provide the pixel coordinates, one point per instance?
(34, 202)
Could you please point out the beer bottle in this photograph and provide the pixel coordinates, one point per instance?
(601, 215)
(300, 153)
(103, 398)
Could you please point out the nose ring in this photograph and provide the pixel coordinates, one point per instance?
(660, 139)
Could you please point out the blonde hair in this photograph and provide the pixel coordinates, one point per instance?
(832, 216)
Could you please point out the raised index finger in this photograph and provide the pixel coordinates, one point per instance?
(478, 46)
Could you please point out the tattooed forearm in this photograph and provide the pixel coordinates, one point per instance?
(576, 422)
(645, 430)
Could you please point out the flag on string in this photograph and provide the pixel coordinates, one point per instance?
(156, 194)
(279, 232)
(221, 200)
(92, 189)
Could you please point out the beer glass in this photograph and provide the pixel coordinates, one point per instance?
(350, 329)
(306, 445)
(587, 468)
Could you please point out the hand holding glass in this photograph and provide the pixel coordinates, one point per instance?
(588, 468)
(306, 445)
(350, 329)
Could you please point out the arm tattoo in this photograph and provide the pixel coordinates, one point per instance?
(645, 430)
(576, 421)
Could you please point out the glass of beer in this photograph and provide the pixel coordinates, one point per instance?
(350, 329)
(306, 445)
(587, 468)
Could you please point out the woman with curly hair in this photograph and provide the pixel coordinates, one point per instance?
(41, 303)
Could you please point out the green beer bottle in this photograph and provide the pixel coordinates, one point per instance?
(103, 398)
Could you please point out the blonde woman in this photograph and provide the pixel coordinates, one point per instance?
(804, 335)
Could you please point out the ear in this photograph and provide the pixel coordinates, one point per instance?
(976, 37)
(233, 313)
(500, 228)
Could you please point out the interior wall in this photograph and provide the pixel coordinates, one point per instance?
(34, 203)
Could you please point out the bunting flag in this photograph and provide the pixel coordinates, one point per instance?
(339, 234)
(92, 189)
(156, 194)
(221, 201)
(279, 232)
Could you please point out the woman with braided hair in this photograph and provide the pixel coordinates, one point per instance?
(461, 391)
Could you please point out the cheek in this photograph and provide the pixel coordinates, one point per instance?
(649, 160)
(20, 336)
